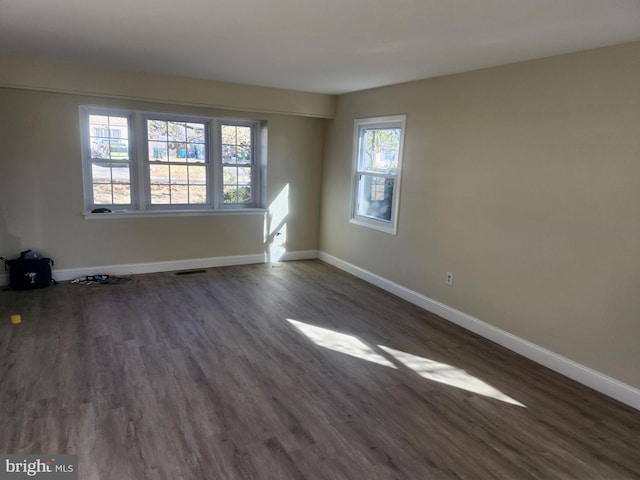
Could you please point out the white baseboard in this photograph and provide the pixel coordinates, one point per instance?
(580, 373)
(153, 267)
(169, 266)
(300, 255)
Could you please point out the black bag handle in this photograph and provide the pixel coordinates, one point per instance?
(22, 255)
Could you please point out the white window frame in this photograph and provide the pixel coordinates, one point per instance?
(145, 187)
(255, 162)
(88, 161)
(139, 163)
(360, 126)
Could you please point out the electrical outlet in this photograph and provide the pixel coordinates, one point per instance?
(449, 278)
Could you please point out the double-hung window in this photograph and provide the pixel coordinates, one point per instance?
(238, 163)
(108, 158)
(147, 161)
(177, 157)
(377, 166)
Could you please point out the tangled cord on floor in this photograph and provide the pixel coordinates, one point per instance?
(103, 279)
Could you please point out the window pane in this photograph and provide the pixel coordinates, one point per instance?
(158, 151)
(237, 184)
(159, 174)
(99, 148)
(196, 152)
(108, 194)
(237, 149)
(375, 196)
(379, 150)
(243, 136)
(229, 134)
(178, 184)
(197, 175)
(99, 125)
(244, 154)
(102, 194)
(111, 183)
(244, 194)
(230, 194)
(157, 130)
(100, 173)
(195, 133)
(197, 194)
(177, 152)
(176, 131)
(179, 194)
(179, 175)
(160, 194)
(244, 175)
(228, 154)
(119, 149)
(177, 141)
(230, 175)
(236, 144)
(120, 173)
(237, 194)
(119, 127)
(121, 194)
(108, 137)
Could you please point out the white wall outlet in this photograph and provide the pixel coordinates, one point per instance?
(449, 278)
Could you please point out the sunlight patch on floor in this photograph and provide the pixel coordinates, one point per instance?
(426, 368)
(340, 342)
(449, 375)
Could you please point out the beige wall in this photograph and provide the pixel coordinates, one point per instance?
(522, 180)
(29, 73)
(41, 192)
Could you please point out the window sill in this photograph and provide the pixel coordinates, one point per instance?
(386, 227)
(173, 213)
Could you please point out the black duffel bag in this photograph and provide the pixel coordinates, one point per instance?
(29, 271)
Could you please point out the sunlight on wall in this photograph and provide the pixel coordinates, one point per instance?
(275, 227)
(428, 369)
(341, 342)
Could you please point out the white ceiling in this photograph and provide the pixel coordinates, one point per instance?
(320, 46)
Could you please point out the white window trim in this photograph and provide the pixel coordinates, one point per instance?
(392, 121)
(139, 173)
(174, 213)
(255, 177)
(87, 163)
(144, 186)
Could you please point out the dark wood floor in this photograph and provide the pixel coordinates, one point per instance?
(204, 376)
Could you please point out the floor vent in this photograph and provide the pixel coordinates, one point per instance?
(190, 272)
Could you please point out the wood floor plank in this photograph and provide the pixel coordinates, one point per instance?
(287, 371)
